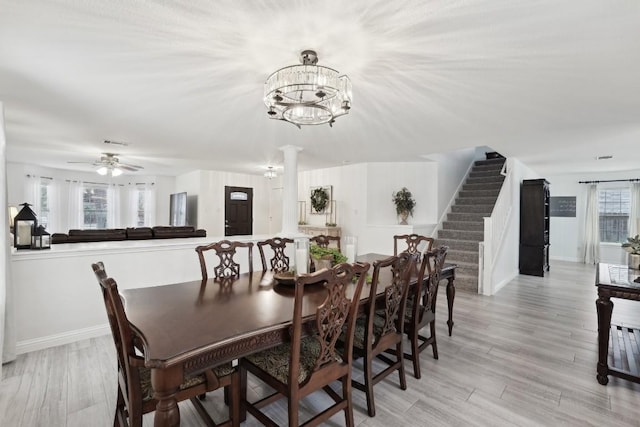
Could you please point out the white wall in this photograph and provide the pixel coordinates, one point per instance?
(567, 234)
(452, 171)
(209, 187)
(364, 196)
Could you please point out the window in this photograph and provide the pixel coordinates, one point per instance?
(45, 195)
(94, 205)
(614, 214)
(139, 213)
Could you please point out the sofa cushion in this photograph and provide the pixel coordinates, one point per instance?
(171, 232)
(97, 235)
(59, 238)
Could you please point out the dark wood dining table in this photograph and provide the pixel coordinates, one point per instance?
(187, 328)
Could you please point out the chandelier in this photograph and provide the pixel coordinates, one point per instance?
(307, 94)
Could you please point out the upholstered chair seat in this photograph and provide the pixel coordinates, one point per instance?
(275, 361)
(147, 390)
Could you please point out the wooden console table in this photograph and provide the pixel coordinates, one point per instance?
(314, 230)
(617, 281)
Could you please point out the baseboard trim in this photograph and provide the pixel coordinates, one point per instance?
(502, 284)
(49, 341)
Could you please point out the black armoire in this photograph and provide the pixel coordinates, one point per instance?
(534, 227)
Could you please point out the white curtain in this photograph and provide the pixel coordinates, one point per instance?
(75, 212)
(634, 211)
(113, 206)
(149, 205)
(7, 318)
(148, 192)
(132, 206)
(55, 212)
(592, 227)
(32, 192)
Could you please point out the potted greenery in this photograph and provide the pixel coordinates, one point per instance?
(325, 257)
(405, 203)
(632, 247)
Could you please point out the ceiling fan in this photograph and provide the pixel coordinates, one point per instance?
(110, 164)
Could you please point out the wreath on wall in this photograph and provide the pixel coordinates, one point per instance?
(319, 199)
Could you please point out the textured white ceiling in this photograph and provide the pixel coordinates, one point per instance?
(553, 83)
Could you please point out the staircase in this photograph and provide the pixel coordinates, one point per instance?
(464, 227)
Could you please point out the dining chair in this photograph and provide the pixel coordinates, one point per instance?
(135, 393)
(412, 243)
(225, 250)
(280, 262)
(311, 363)
(380, 330)
(421, 307)
(325, 241)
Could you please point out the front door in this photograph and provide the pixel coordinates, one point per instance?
(238, 211)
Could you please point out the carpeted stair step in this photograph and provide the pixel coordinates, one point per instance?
(480, 192)
(466, 283)
(489, 163)
(485, 179)
(476, 201)
(461, 235)
(463, 256)
(483, 173)
(458, 245)
(463, 225)
(465, 216)
(478, 209)
(464, 268)
(482, 186)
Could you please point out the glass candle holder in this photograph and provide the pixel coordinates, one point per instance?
(302, 255)
(351, 248)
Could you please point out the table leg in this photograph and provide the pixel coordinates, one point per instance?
(165, 383)
(604, 308)
(451, 295)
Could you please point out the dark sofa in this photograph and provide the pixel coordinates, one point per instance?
(133, 233)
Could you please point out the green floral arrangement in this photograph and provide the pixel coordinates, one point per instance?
(632, 245)
(332, 254)
(319, 199)
(404, 201)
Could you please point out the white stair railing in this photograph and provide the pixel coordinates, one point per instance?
(495, 227)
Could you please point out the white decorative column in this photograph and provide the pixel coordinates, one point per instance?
(290, 190)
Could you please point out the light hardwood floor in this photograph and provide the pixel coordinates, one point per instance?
(526, 356)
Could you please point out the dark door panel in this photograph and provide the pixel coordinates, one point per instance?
(238, 211)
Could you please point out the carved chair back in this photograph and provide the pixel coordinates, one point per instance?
(381, 329)
(422, 307)
(394, 301)
(280, 262)
(135, 396)
(293, 372)
(414, 244)
(123, 339)
(429, 278)
(225, 250)
(325, 241)
(338, 311)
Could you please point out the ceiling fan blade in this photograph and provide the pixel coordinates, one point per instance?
(85, 163)
(129, 165)
(129, 168)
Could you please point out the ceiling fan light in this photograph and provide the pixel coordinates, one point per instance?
(116, 172)
(270, 174)
(102, 170)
